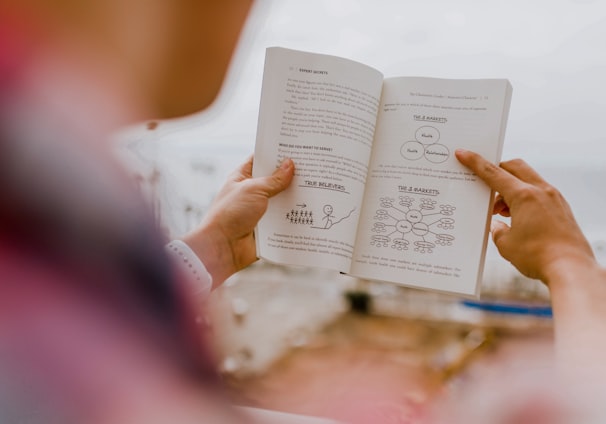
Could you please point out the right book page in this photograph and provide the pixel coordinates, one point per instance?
(425, 217)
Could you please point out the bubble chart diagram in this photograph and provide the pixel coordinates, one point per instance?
(418, 222)
(425, 145)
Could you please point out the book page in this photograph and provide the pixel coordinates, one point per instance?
(426, 216)
(320, 111)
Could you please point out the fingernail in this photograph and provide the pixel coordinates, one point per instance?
(285, 164)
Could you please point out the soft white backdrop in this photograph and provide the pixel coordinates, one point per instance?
(553, 52)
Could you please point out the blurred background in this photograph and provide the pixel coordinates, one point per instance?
(271, 322)
(551, 51)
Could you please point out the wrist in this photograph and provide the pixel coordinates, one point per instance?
(191, 266)
(210, 247)
(573, 272)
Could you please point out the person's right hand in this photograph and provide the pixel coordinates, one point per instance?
(544, 237)
(224, 241)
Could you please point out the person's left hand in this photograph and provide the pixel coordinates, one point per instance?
(224, 240)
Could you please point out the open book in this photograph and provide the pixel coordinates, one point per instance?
(378, 192)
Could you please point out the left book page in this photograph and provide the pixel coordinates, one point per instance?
(320, 111)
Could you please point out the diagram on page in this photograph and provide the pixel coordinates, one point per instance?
(425, 145)
(413, 223)
(329, 217)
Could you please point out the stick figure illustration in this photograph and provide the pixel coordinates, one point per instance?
(328, 209)
(330, 219)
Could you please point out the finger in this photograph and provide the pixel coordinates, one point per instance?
(499, 230)
(497, 178)
(523, 171)
(279, 180)
(500, 207)
(244, 171)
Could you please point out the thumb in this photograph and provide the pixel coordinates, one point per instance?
(281, 178)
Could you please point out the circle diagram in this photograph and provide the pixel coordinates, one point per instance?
(436, 153)
(425, 146)
(427, 135)
(412, 150)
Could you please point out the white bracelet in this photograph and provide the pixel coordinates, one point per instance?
(187, 260)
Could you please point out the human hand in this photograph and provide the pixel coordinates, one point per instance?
(544, 237)
(224, 240)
